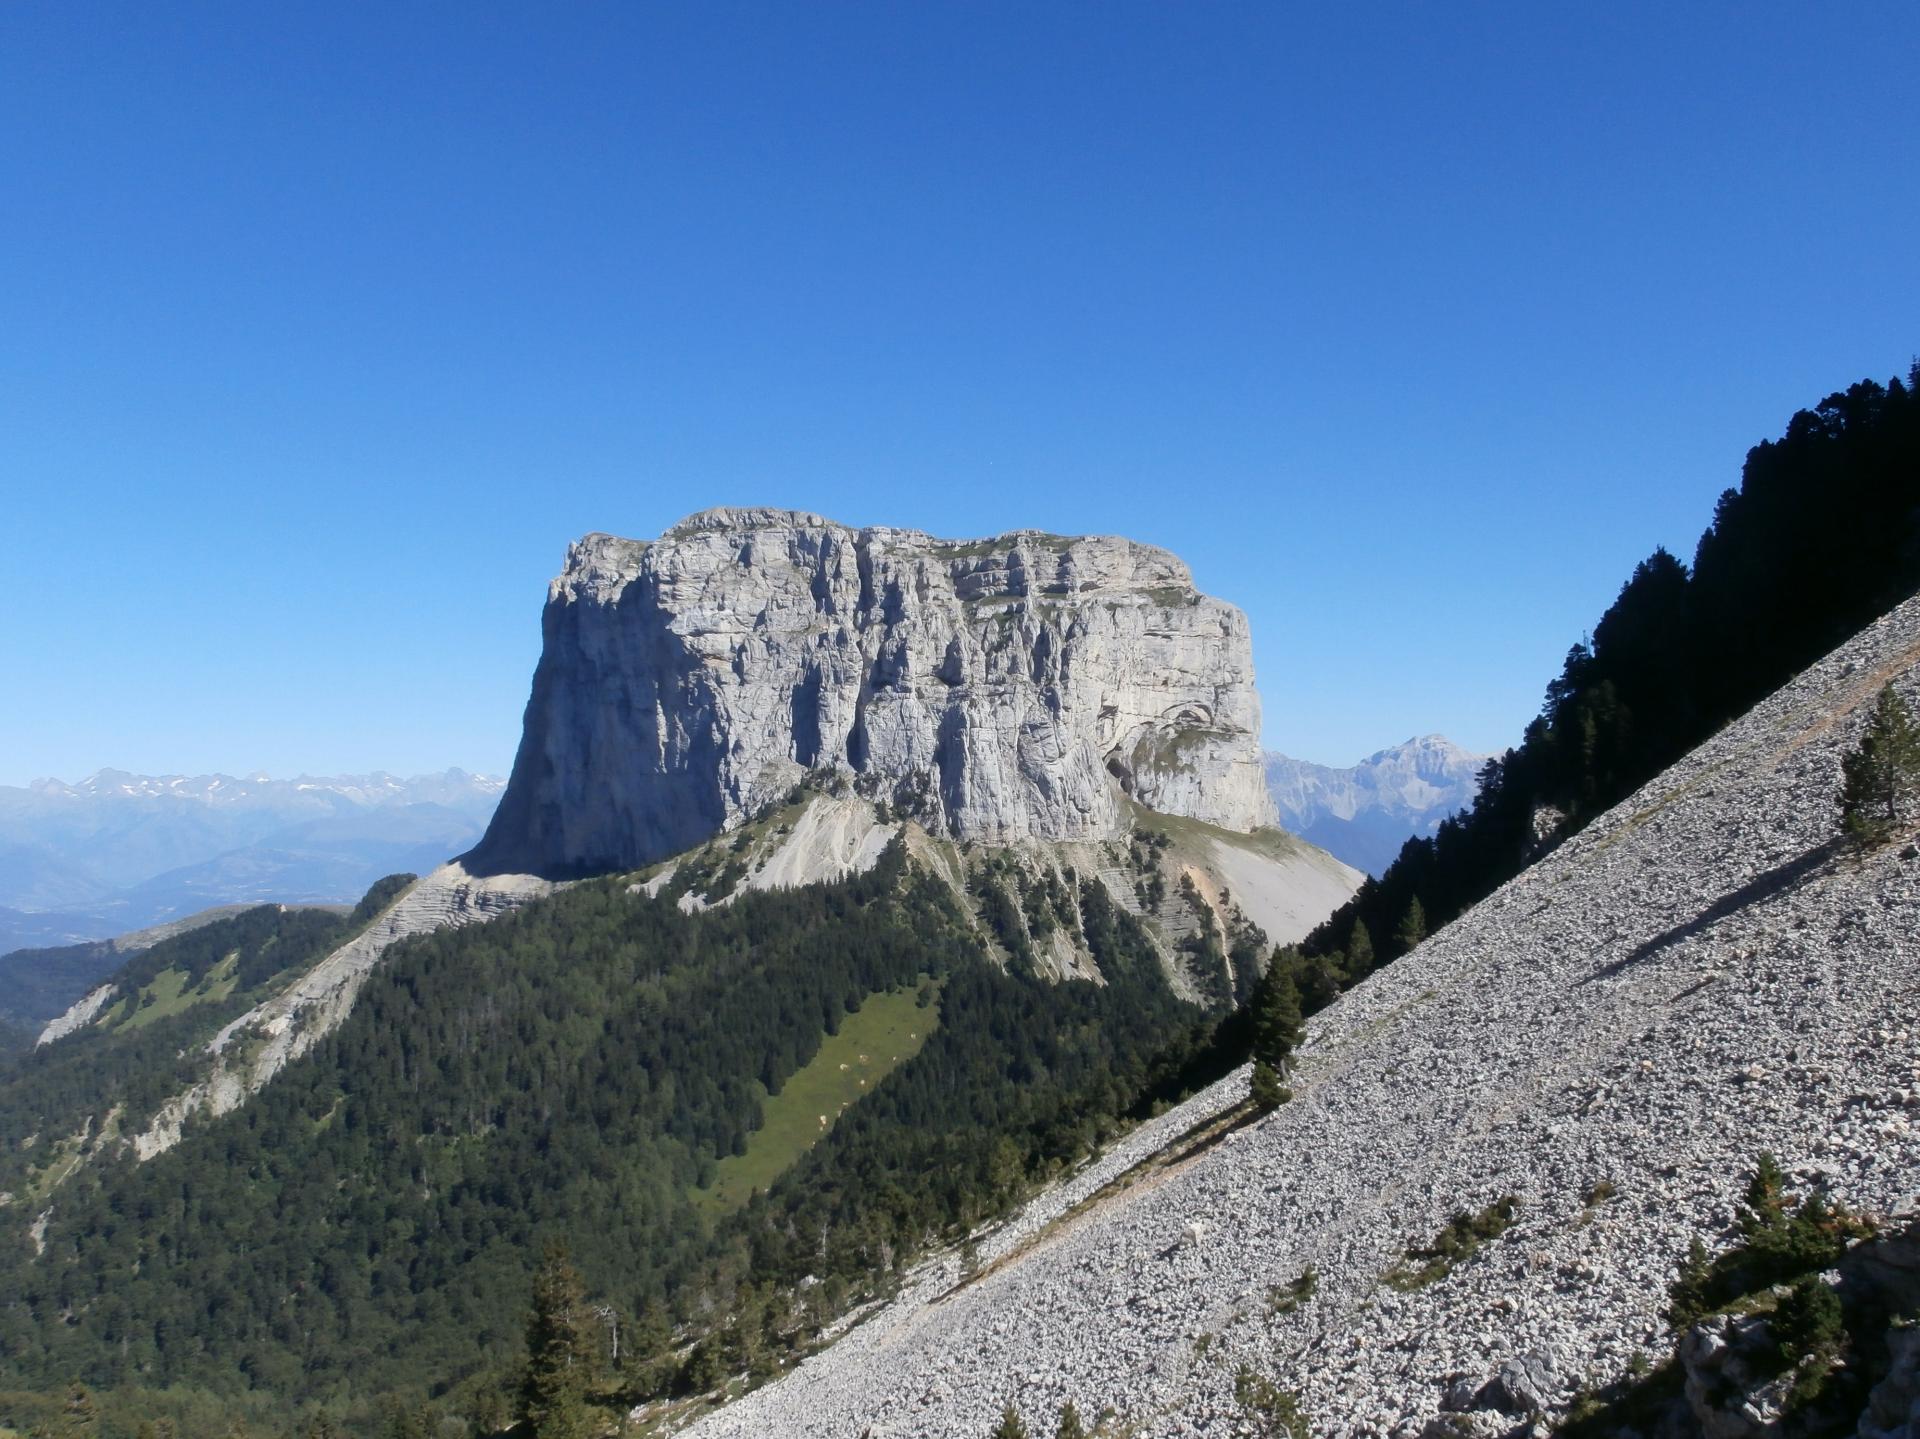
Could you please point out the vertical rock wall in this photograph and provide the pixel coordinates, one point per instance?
(1018, 687)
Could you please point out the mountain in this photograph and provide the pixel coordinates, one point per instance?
(1497, 1153)
(930, 944)
(1363, 814)
(756, 661)
(1020, 687)
(790, 966)
(118, 851)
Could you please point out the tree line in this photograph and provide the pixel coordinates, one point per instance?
(1821, 537)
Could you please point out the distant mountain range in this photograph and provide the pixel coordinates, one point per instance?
(1364, 813)
(118, 851)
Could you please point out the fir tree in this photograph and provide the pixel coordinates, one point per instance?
(1360, 951)
(1277, 1026)
(1413, 926)
(80, 1419)
(1765, 1210)
(559, 1351)
(1011, 1425)
(406, 1421)
(1690, 1296)
(1071, 1426)
(1880, 776)
(1265, 1089)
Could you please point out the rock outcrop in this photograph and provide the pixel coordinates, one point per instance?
(83, 1012)
(1023, 687)
(1610, 1040)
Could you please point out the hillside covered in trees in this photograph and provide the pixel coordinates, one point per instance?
(1821, 537)
(366, 1229)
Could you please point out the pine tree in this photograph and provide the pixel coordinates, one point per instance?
(559, 1351)
(1071, 1426)
(1765, 1210)
(406, 1421)
(1011, 1425)
(1277, 1026)
(1265, 1089)
(1360, 951)
(1413, 926)
(1690, 1297)
(1879, 777)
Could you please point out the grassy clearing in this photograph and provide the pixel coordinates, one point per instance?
(882, 1034)
(168, 994)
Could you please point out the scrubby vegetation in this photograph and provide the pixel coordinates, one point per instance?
(1453, 1246)
(1284, 1299)
(1269, 1411)
(1775, 1266)
(1776, 1242)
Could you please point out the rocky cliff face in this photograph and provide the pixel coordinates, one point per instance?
(1013, 688)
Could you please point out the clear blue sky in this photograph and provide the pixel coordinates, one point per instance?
(323, 328)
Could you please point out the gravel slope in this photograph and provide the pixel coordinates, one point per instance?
(1696, 977)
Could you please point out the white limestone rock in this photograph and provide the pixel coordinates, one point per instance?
(1014, 688)
(79, 1015)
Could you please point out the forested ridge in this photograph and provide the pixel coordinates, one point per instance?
(170, 999)
(366, 1227)
(1821, 537)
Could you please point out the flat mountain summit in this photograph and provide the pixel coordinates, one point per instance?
(1027, 686)
(1604, 1047)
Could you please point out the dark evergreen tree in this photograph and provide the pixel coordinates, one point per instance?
(1881, 774)
(559, 1352)
(1413, 926)
(79, 1417)
(1277, 1025)
(1011, 1425)
(1765, 1209)
(1690, 1297)
(1071, 1426)
(1265, 1089)
(1360, 959)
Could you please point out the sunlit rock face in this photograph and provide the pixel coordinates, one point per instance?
(1017, 687)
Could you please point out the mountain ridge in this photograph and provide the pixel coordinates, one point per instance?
(1364, 812)
(636, 633)
(118, 851)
